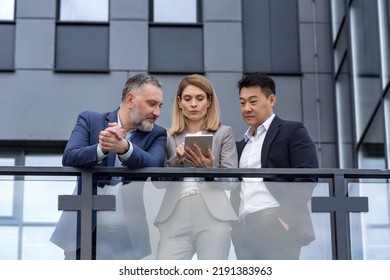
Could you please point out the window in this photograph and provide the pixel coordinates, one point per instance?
(344, 118)
(82, 48)
(7, 9)
(176, 49)
(386, 116)
(372, 148)
(179, 11)
(375, 225)
(338, 14)
(366, 62)
(7, 46)
(84, 10)
(175, 37)
(28, 208)
(7, 34)
(271, 36)
(384, 28)
(82, 40)
(7, 189)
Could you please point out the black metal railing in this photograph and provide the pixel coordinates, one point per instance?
(339, 204)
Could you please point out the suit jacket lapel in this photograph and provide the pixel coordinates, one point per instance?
(111, 117)
(269, 138)
(240, 148)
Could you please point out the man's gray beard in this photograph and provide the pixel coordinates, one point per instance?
(145, 126)
(139, 123)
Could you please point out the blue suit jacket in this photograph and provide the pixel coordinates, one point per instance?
(149, 150)
(80, 151)
(287, 144)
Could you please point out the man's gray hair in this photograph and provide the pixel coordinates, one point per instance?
(135, 83)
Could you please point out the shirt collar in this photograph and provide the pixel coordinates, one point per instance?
(248, 134)
(120, 125)
(118, 120)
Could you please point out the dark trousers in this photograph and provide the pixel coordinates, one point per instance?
(263, 237)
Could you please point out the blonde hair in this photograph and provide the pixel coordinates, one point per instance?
(212, 119)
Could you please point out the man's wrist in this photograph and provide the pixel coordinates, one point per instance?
(126, 150)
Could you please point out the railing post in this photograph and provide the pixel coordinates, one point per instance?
(340, 220)
(86, 203)
(86, 216)
(340, 205)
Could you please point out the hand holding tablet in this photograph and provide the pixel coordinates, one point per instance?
(204, 141)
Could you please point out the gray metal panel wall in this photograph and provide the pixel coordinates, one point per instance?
(43, 104)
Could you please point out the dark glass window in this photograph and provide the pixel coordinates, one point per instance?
(270, 36)
(338, 15)
(387, 8)
(344, 118)
(386, 39)
(175, 37)
(366, 62)
(176, 49)
(82, 48)
(7, 34)
(7, 46)
(82, 36)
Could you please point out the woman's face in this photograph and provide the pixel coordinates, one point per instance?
(194, 103)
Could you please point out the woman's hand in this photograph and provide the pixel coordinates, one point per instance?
(180, 153)
(196, 158)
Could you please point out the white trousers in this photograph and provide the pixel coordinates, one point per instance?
(192, 229)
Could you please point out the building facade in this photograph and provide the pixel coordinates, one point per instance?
(59, 58)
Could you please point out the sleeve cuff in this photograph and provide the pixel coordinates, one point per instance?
(126, 155)
(100, 155)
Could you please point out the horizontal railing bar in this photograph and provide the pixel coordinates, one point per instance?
(196, 172)
(39, 171)
(339, 204)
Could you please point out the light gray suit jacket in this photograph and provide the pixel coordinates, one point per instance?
(213, 192)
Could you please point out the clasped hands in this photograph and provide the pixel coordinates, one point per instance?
(112, 139)
(194, 156)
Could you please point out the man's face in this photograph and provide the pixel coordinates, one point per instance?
(146, 107)
(256, 107)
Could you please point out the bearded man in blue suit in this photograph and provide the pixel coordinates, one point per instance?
(128, 137)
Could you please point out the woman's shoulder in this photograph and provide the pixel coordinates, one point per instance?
(223, 129)
(224, 132)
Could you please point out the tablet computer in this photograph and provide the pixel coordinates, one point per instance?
(204, 141)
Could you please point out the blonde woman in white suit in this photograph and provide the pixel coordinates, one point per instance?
(195, 213)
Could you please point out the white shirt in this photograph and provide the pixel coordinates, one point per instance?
(254, 194)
